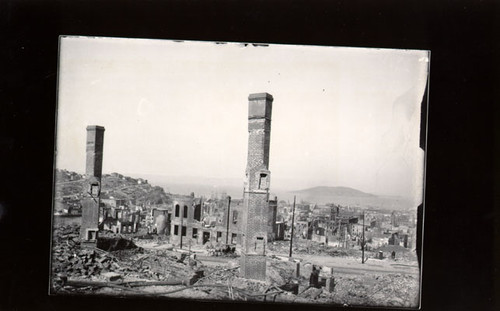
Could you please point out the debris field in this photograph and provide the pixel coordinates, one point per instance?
(125, 269)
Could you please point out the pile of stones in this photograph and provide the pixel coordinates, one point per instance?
(83, 262)
(69, 258)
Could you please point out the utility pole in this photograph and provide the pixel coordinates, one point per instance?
(228, 209)
(293, 225)
(363, 241)
(201, 208)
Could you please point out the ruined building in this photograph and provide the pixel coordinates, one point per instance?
(120, 219)
(92, 191)
(193, 221)
(272, 229)
(256, 188)
(183, 216)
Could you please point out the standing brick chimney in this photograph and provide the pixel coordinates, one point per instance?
(256, 188)
(92, 191)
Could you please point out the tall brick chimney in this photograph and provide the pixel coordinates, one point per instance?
(95, 142)
(256, 188)
(91, 196)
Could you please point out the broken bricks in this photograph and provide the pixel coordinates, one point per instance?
(330, 284)
(73, 260)
(112, 276)
(297, 270)
(195, 277)
(291, 287)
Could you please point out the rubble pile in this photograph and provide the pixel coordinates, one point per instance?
(218, 276)
(342, 252)
(72, 260)
(396, 290)
(66, 232)
(280, 272)
(220, 249)
(127, 264)
(351, 291)
(312, 248)
(280, 246)
(315, 249)
(83, 262)
(166, 264)
(225, 283)
(391, 290)
(114, 243)
(249, 286)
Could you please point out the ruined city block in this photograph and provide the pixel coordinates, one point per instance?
(183, 227)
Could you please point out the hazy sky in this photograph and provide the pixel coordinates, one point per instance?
(341, 116)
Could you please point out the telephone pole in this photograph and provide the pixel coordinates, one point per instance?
(227, 228)
(293, 225)
(363, 241)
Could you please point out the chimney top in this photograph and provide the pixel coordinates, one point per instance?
(95, 127)
(260, 96)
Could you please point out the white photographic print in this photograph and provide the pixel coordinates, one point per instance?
(238, 171)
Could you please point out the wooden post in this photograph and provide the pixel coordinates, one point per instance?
(363, 241)
(293, 225)
(228, 214)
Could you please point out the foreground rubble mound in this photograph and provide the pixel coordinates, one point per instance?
(125, 269)
(69, 258)
(391, 290)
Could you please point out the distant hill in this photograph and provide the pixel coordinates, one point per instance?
(324, 191)
(71, 185)
(351, 197)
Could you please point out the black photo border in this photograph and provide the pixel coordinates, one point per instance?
(460, 224)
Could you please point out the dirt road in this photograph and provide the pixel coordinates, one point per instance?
(351, 265)
(345, 265)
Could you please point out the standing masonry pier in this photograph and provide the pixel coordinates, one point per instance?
(92, 190)
(95, 143)
(256, 188)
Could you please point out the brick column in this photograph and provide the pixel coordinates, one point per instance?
(93, 170)
(95, 143)
(256, 193)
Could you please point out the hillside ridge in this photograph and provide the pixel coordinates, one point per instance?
(335, 191)
(70, 185)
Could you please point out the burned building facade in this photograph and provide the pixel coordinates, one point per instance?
(120, 220)
(182, 221)
(197, 222)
